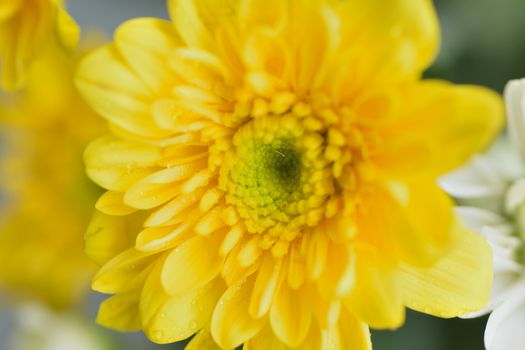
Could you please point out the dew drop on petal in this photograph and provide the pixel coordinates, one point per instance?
(157, 335)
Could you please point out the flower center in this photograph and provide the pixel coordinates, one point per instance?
(276, 176)
(266, 175)
(282, 164)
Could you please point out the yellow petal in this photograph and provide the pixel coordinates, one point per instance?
(266, 53)
(196, 181)
(231, 323)
(196, 20)
(349, 334)
(457, 284)
(308, 56)
(442, 125)
(107, 236)
(210, 222)
(8, 8)
(338, 275)
(265, 340)
(291, 314)
(114, 91)
(146, 45)
(313, 340)
(192, 264)
(428, 211)
(121, 312)
(402, 36)
(67, 29)
(296, 267)
(233, 272)
(331, 339)
(354, 332)
(270, 14)
(116, 164)
(167, 319)
(112, 203)
(202, 341)
(156, 239)
(161, 186)
(198, 67)
(233, 236)
(317, 254)
(415, 225)
(172, 114)
(174, 208)
(327, 313)
(120, 270)
(250, 252)
(377, 296)
(266, 285)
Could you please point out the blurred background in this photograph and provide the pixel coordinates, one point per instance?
(482, 43)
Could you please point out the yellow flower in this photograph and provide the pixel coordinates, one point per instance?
(26, 28)
(271, 174)
(46, 198)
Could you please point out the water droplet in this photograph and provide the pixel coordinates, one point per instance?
(193, 325)
(157, 335)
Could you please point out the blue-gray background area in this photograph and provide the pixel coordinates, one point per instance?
(481, 44)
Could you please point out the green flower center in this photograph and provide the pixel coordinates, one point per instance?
(268, 174)
(276, 176)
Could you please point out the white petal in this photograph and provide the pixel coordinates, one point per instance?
(515, 102)
(506, 159)
(515, 196)
(478, 178)
(477, 218)
(505, 325)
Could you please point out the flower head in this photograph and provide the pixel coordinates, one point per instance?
(26, 28)
(491, 192)
(271, 173)
(48, 198)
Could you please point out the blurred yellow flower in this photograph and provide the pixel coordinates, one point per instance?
(26, 28)
(48, 199)
(271, 174)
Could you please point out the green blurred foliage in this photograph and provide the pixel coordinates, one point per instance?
(482, 41)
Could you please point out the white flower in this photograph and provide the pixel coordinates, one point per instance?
(491, 194)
